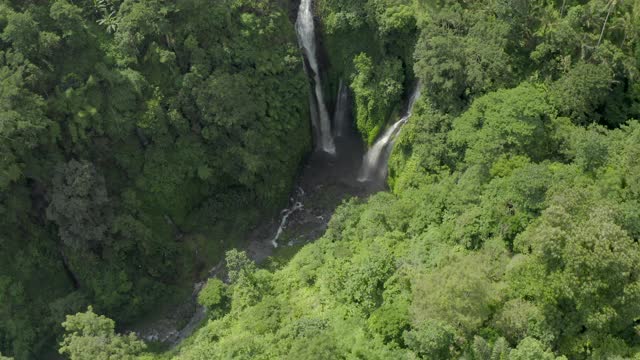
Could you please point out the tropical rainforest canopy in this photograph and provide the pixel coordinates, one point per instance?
(141, 140)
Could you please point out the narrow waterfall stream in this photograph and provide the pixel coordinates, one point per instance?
(341, 120)
(307, 38)
(297, 205)
(375, 163)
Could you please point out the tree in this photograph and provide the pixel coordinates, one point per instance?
(460, 295)
(213, 296)
(461, 55)
(583, 269)
(391, 320)
(432, 340)
(80, 205)
(507, 122)
(90, 336)
(483, 350)
(610, 6)
(23, 121)
(239, 265)
(321, 346)
(582, 90)
(440, 64)
(530, 348)
(21, 31)
(520, 318)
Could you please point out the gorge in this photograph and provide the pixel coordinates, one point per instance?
(330, 175)
(319, 179)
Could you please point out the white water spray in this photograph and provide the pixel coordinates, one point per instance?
(283, 222)
(341, 115)
(297, 205)
(374, 164)
(306, 36)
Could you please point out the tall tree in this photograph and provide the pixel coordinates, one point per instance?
(90, 336)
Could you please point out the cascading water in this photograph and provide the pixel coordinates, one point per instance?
(341, 116)
(283, 222)
(374, 164)
(315, 121)
(306, 36)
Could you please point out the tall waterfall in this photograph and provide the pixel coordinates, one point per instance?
(341, 118)
(374, 164)
(306, 36)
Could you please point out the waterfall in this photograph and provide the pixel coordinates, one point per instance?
(374, 164)
(296, 205)
(341, 116)
(313, 114)
(306, 36)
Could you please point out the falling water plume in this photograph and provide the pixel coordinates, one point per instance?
(306, 36)
(374, 164)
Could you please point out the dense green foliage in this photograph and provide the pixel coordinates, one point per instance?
(511, 231)
(369, 45)
(138, 140)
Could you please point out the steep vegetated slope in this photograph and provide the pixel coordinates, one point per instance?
(511, 231)
(138, 140)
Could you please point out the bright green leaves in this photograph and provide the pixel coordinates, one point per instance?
(422, 148)
(321, 346)
(588, 270)
(397, 18)
(377, 89)
(390, 320)
(581, 91)
(460, 293)
(530, 348)
(520, 318)
(340, 16)
(139, 24)
(249, 284)
(214, 298)
(432, 340)
(90, 336)
(461, 55)
(440, 65)
(590, 148)
(514, 122)
(360, 279)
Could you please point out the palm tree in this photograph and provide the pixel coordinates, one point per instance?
(107, 10)
(610, 5)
